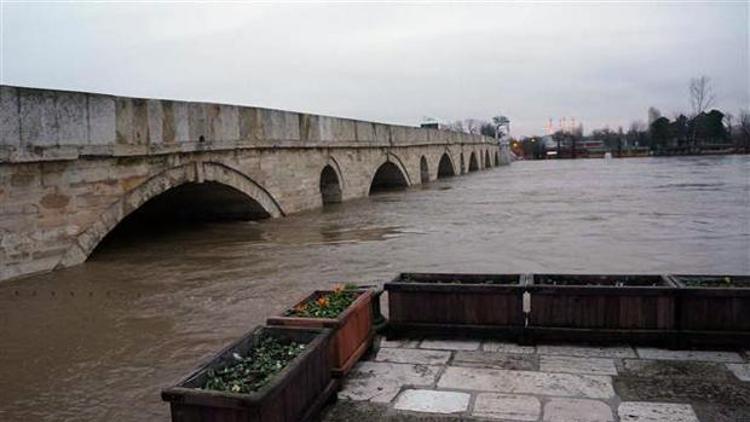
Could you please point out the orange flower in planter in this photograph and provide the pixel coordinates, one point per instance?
(338, 289)
(302, 307)
(323, 301)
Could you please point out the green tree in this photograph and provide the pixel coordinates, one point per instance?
(660, 132)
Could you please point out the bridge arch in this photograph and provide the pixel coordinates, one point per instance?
(445, 167)
(424, 170)
(390, 175)
(240, 198)
(463, 165)
(330, 185)
(487, 162)
(473, 164)
(497, 158)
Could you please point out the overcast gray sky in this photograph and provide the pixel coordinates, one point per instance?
(604, 64)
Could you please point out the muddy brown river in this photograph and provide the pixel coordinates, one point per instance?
(97, 342)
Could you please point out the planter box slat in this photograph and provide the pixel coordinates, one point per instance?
(717, 308)
(643, 309)
(352, 329)
(625, 307)
(456, 308)
(295, 393)
(424, 300)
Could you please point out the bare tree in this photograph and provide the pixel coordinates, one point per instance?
(501, 121)
(457, 126)
(473, 125)
(701, 94)
(729, 121)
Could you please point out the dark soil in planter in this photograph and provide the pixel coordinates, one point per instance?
(253, 371)
(599, 280)
(508, 279)
(726, 281)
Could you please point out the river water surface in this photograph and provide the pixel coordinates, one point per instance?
(97, 342)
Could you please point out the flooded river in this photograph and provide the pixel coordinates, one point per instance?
(98, 341)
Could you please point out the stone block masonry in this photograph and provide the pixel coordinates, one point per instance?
(73, 165)
(489, 380)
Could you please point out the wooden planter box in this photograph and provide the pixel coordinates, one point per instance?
(456, 305)
(352, 330)
(296, 393)
(593, 308)
(713, 314)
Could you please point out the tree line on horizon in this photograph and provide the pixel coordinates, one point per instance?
(705, 127)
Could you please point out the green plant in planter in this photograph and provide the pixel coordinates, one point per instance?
(328, 305)
(725, 281)
(249, 373)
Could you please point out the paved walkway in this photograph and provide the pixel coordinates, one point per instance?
(472, 380)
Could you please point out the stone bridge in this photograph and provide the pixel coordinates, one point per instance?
(74, 165)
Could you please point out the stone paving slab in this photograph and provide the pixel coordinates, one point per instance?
(740, 370)
(500, 347)
(507, 407)
(691, 355)
(683, 390)
(415, 356)
(450, 344)
(577, 365)
(647, 368)
(577, 410)
(708, 412)
(401, 344)
(380, 382)
(527, 382)
(655, 412)
(365, 411)
(472, 381)
(432, 401)
(480, 359)
(617, 352)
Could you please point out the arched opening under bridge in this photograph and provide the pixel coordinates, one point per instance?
(424, 170)
(183, 206)
(473, 164)
(388, 177)
(330, 186)
(445, 167)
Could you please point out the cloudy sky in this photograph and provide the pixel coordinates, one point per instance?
(603, 64)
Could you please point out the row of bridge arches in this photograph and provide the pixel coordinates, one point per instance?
(223, 193)
(390, 175)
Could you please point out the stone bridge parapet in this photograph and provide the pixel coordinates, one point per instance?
(74, 165)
